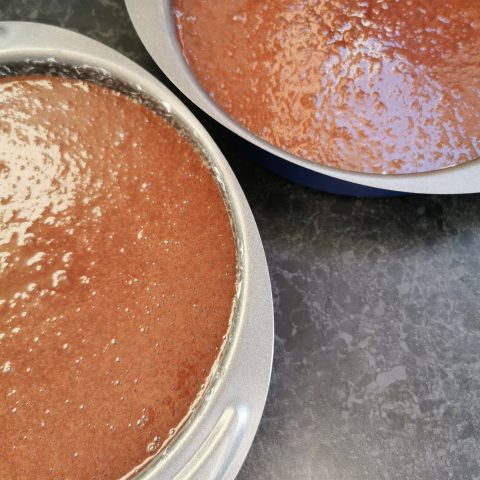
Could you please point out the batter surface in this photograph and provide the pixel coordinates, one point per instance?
(388, 86)
(117, 277)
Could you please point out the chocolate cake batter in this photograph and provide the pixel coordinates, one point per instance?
(117, 277)
(389, 86)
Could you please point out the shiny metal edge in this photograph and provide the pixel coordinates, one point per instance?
(215, 440)
(153, 21)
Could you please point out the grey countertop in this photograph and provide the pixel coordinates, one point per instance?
(377, 363)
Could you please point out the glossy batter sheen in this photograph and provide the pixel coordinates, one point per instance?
(117, 276)
(372, 86)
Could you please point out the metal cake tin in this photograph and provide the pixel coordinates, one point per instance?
(215, 439)
(153, 21)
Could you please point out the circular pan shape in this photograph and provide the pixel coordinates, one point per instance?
(217, 436)
(154, 24)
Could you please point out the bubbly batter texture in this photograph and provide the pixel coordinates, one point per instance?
(117, 277)
(387, 86)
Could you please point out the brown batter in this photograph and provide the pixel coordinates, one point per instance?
(388, 86)
(117, 276)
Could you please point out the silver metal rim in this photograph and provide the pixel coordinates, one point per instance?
(215, 440)
(153, 21)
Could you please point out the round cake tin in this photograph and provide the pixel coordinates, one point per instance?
(216, 437)
(153, 20)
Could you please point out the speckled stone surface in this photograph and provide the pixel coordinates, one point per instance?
(377, 303)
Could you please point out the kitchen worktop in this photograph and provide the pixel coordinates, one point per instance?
(377, 308)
